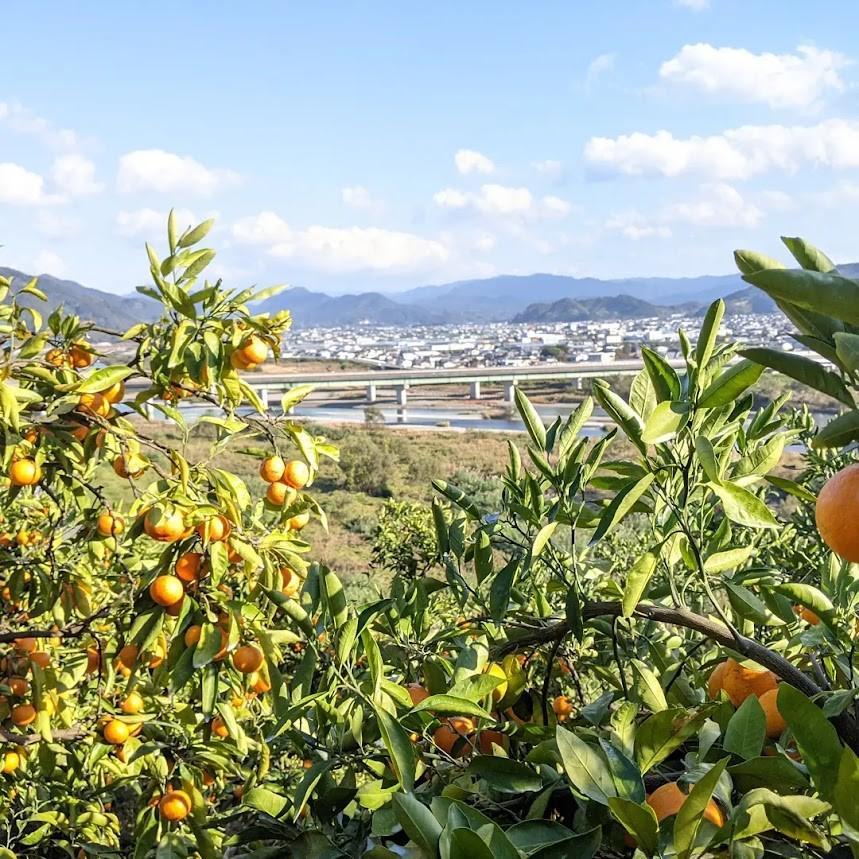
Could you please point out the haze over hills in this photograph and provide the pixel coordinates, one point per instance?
(528, 298)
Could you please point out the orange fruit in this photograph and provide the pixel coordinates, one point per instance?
(23, 714)
(114, 393)
(806, 614)
(451, 736)
(215, 529)
(271, 469)
(25, 472)
(417, 693)
(55, 357)
(836, 512)
(563, 707)
(80, 355)
(239, 362)
(487, 739)
(253, 350)
(93, 660)
(164, 524)
(291, 582)
(187, 567)
(109, 525)
(279, 494)
(248, 659)
(192, 635)
(19, 686)
(716, 681)
(41, 658)
(175, 608)
(133, 704)
(129, 465)
(26, 645)
(115, 732)
(94, 404)
(296, 474)
(127, 657)
(775, 722)
(669, 798)
(219, 729)
(174, 805)
(297, 522)
(739, 682)
(260, 684)
(166, 590)
(11, 762)
(208, 778)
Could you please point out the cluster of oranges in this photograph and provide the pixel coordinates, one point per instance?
(285, 479)
(79, 356)
(739, 682)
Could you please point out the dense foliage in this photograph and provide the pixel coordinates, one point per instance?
(650, 656)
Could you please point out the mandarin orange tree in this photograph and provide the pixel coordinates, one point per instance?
(644, 649)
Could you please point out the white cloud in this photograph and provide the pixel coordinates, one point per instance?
(599, 66)
(799, 80)
(694, 5)
(470, 161)
(485, 242)
(48, 262)
(451, 198)
(23, 121)
(504, 200)
(151, 224)
(341, 249)
(359, 197)
(75, 175)
(737, 153)
(721, 206)
(157, 170)
(550, 168)
(556, 207)
(21, 187)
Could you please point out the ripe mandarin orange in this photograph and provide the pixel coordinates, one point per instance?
(166, 590)
(188, 566)
(271, 469)
(739, 681)
(132, 704)
(716, 681)
(174, 805)
(837, 511)
(110, 525)
(248, 659)
(296, 474)
(669, 799)
(417, 693)
(775, 722)
(25, 472)
(23, 714)
(115, 732)
(451, 736)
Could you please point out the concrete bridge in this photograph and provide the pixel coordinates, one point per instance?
(473, 377)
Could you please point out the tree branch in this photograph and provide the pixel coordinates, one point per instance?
(847, 727)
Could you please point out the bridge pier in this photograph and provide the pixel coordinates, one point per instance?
(402, 396)
(371, 392)
(579, 384)
(475, 390)
(509, 391)
(263, 397)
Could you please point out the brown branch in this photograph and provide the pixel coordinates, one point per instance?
(30, 739)
(846, 726)
(73, 630)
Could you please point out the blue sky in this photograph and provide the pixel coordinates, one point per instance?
(351, 146)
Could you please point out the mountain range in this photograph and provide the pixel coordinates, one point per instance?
(525, 298)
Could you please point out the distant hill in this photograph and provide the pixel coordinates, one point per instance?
(316, 308)
(576, 310)
(103, 308)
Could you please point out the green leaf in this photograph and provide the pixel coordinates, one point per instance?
(542, 539)
(102, 379)
(458, 497)
(824, 293)
(816, 738)
(691, 815)
(707, 458)
(620, 505)
(728, 386)
(531, 419)
(293, 396)
(399, 746)
(505, 775)
(746, 730)
(847, 349)
(803, 370)
(620, 412)
(749, 606)
(807, 255)
(791, 487)
(648, 687)
(662, 375)
(418, 822)
(585, 766)
(751, 261)
(639, 820)
(743, 507)
(665, 421)
(637, 581)
(839, 432)
(808, 595)
(265, 800)
(660, 734)
(773, 771)
(730, 559)
(268, 292)
(709, 333)
(846, 791)
(451, 706)
(197, 234)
